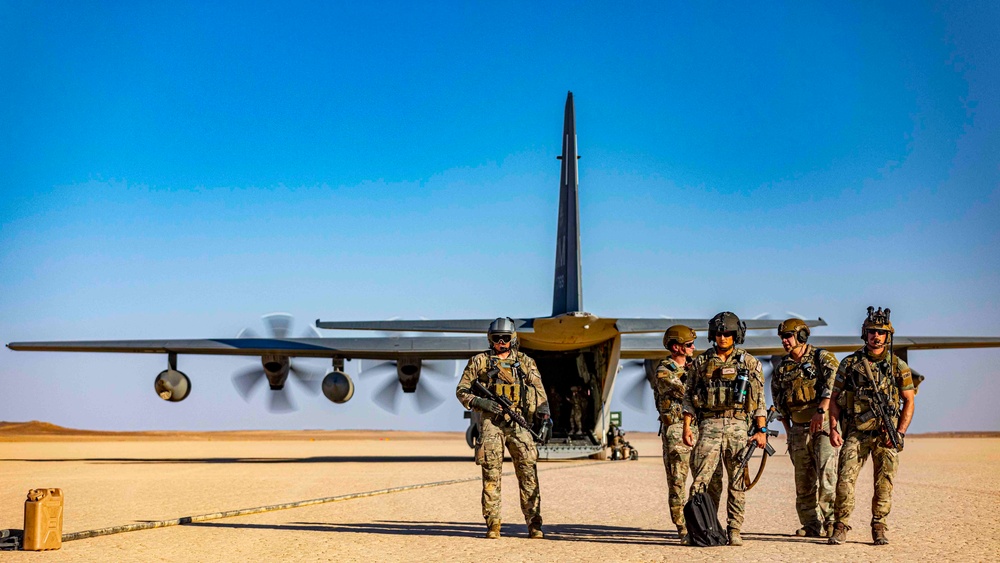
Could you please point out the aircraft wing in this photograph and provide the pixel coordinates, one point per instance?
(636, 326)
(392, 348)
(651, 347)
(478, 326)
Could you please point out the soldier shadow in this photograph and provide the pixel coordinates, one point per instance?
(762, 536)
(249, 460)
(554, 532)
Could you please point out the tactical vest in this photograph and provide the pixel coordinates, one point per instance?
(798, 383)
(715, 389)
(670, 408)
(859, 401)
(506, 378)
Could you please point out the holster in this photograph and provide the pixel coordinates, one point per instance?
(480, 453)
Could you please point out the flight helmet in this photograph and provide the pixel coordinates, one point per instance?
(503, 325)
(727, 322)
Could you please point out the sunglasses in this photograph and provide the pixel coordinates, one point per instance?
(500, 338)
(877, 331)
(787, 334)
(689, 345)
(727, 334)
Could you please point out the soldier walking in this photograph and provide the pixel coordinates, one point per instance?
(801, 388)
(864, 377)
(668, 390)
(725, 392)
(513, 375)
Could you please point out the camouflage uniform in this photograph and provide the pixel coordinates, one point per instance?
(798, 386)
(723, 425)
(669, 394)
(518, 380)
(863, 435)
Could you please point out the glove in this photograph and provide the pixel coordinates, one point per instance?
(486, 405)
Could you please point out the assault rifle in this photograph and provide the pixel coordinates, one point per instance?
(884, 412)
(506, 408)
(741, 477)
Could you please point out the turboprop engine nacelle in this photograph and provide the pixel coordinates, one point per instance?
(408, 372)
(172, 385)
(338, 387)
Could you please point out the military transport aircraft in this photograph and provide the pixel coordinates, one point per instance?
(573, 348)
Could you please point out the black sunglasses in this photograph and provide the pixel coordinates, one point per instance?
(787, 334)
(500, 338)
(877, 331)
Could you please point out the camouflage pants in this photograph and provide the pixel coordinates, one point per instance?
(853, 454)
(677, 461)
(524, 455)
(576, 420)
(720, 441)
(815, 462)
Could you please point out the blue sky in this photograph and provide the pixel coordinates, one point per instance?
(178, 171)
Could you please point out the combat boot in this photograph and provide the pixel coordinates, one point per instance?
(839, 534)
(878, 534)
(493, 530)
(810, 531)
(682, 533)
(734, 537)
(828, 530)
(535, 532)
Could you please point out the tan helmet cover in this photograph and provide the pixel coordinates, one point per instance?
(797, 326)
(678, 333)
(878, 320)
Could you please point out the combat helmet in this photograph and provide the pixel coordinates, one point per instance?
(727, 322)
(679, 334)
(878, 320)
(503, 325)
(796, 325)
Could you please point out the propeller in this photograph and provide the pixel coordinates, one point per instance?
(389, 395)
(638, 392)
(247, 380)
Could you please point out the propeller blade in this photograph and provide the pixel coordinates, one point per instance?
(427, 399)
(247, 380)
(442, 369)
(278, 324)
(636, 393)
(371, 369)
(388, 396)
(280, 402)
(247, 333)
(309, 380)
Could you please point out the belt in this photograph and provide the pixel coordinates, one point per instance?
(724, 414)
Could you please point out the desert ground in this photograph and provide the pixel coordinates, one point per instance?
(945, 500)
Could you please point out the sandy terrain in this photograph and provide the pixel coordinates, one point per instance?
(945, 501)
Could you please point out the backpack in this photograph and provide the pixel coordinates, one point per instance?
(702, 520)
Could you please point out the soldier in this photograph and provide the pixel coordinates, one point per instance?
(577, 402)
(871, 371)
(724, 392)
(511, 374)
(801, 387)
(668, 390)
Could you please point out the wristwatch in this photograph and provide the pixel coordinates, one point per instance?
(820, 410)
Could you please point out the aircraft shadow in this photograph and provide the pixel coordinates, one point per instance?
(210, 460)
(554, 532)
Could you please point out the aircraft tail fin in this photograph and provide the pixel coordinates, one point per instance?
(567, 293)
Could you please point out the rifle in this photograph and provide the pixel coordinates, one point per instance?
(741, 477)
(883, 410)
(506, 408)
